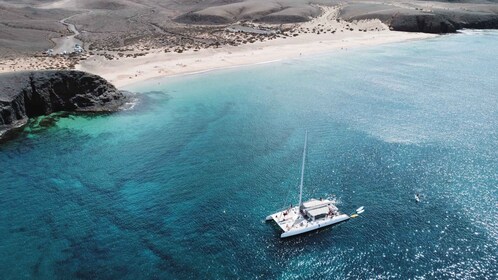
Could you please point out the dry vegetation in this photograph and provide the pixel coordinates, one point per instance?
(120, 29)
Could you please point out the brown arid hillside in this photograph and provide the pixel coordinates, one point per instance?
(30, 26)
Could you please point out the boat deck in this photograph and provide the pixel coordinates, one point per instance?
(307, 216)
(288, 219)
(291, 220)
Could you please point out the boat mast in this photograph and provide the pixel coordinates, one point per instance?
(302, 171)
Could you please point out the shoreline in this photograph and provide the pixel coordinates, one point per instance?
(157, 64)
(323, 34)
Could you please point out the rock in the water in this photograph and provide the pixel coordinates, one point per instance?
(30, 94)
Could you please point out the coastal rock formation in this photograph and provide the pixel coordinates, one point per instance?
(30, 94)
(426, 23)
(440, 19)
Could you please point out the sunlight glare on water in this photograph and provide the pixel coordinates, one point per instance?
(179, 186)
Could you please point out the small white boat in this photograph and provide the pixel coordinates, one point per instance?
(307, 216)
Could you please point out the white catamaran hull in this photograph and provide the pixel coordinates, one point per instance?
(314, 226)
(307, 216)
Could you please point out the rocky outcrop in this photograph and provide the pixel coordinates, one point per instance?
(426, 23)
(422, 20)
(30, 94)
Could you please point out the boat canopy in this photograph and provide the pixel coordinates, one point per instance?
(309, 215)
(318, 211)
(315, 203)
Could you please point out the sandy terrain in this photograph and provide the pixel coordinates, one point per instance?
(324, 33)
(131, 40)
(329, 35)
(67, 43)
(29, 27)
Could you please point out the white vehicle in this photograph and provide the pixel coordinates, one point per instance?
(307, 216)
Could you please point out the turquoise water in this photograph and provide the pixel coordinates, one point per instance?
(179, 186)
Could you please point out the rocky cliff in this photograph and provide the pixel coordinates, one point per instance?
(30, 94)
(434, 20)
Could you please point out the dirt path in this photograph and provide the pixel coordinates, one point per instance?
(66, 44)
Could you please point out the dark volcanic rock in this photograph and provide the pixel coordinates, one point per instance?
(427, 21)
(31, 94)
(475, 20)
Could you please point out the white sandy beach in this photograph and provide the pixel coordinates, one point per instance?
(126, 71)
(309, 38)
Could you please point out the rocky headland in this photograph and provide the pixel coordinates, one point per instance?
(30, 94)
(429, 17)
(411, 16)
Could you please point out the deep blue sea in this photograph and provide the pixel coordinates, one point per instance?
(178, 187)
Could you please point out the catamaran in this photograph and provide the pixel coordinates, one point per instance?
(310, 215)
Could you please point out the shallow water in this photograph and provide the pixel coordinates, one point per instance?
(179, 186)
